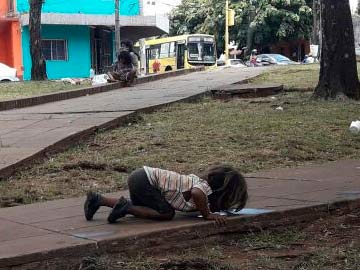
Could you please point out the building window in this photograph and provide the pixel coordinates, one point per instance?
(55, 49)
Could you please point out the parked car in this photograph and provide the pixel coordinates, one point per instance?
(236, 63)
(220, 63)
(357, 53)
(309, 59)
(232, 63)
(7, 74)
(275, 59)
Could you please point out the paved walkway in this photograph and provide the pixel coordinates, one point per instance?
(28, 133)
(55, 229)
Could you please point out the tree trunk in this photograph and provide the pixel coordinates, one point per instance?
(316, 23)
(38, 69)
(338, 71)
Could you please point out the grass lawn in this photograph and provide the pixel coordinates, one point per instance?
(29, 88)
(292, 77)
(187, 137)
(304, 77)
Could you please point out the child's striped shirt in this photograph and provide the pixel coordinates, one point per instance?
(172, 185)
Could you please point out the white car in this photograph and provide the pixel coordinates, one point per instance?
(236, 63)
(7, 74)
(357, 51)
(274, 59)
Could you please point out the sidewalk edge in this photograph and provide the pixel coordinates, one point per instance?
(64, 95)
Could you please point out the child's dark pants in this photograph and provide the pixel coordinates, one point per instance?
(142, 193)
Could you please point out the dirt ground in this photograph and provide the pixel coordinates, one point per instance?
(332, 243)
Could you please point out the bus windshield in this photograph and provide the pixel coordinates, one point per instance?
(201, 51)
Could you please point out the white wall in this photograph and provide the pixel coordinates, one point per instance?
(356, 23)
(153, 7)
(353, 5)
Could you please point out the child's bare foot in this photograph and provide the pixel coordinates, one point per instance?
(130, 77)
(92, 204)
(119, 210)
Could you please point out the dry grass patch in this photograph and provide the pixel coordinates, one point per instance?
(30, 88)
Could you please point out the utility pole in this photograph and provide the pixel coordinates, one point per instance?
(227, 31)
(117, 27)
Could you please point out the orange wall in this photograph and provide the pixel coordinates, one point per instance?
(10, 44)
(10, 40)
(3, 7)
(16, 47)
(5, 43)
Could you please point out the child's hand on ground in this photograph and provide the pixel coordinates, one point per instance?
(201, 203)
(219, 219)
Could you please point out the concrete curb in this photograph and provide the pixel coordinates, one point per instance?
(186, 235)
(249, 90)
(299, 89)
(58, 96)
(182, 236)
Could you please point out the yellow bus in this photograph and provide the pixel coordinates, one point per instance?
(179, 52)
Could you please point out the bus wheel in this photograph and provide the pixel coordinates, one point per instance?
(168, 68)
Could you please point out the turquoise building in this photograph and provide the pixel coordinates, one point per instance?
(79, 34)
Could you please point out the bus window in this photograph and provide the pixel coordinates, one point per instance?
(209, 52)
(164, 52)
(172, 49)
(195, 51)
(155, 52)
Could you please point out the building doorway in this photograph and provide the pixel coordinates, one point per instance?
(101, 49)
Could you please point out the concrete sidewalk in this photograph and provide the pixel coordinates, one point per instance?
(30, 133)
(39, 232)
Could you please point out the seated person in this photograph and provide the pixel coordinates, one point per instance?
(123, 69)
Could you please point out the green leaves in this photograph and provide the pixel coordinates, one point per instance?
(270, 20)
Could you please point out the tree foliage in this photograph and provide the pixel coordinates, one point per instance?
(267, 21)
